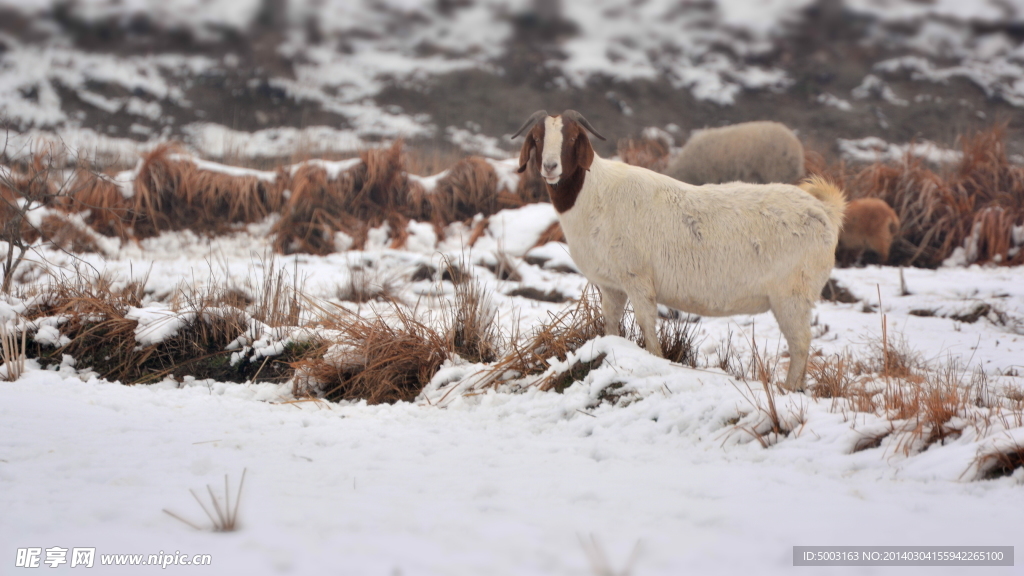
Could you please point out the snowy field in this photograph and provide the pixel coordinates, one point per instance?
(467, 480)
(641, 466)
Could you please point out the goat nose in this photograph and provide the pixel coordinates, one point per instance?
(550, 166)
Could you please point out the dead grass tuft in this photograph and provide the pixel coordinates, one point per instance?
(644, 152)
(470, 188)
(367, 283)
(377, 359)
(320, 207)
(472, 327)
(553, 233)
(1000, 463)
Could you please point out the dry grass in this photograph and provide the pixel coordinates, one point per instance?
(1000, 463)
(471, 319)
(367, 283)
(367, 196)
(225, 518)
(171, 193)
(570, 329)
(553, 233)
(644, 152)
(93, 316)
(377, 359)
(470, 188)
(977, 201)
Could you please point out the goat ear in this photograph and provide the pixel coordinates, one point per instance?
(524, 155)
(584, 151)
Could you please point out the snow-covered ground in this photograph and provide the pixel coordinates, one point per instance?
(507, 481)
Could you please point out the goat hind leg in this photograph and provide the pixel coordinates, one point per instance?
(793, 314)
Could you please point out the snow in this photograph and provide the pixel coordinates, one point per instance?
(470, 479)
(874, 149)
(502, 481)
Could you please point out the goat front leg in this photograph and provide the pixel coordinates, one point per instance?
(613, 303)
(645, 307)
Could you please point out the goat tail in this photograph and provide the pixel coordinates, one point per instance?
(828, 194)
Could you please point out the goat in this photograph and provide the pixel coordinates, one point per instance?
(715, 250)
(869, 224)
(761, 152)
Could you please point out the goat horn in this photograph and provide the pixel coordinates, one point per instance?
(576, 116)
(530, 122)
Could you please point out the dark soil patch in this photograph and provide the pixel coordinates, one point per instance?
(535, 294)
(836, 292)
(575, 373)
(980, 310)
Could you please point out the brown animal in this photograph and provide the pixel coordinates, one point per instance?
(868, 225)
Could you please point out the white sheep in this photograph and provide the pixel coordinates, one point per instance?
(713, 250)
(759, 152)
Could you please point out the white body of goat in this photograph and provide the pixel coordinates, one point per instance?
(758, 152)
(713, 250)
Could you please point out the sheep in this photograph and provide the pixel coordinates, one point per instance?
(715, 250)
(869, 224)
(761, 152)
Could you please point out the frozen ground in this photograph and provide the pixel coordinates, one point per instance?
(466, 481)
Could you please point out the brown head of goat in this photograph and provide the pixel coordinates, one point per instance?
(562, 149)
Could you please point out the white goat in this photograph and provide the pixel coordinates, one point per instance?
(760, 152)
(710, 250)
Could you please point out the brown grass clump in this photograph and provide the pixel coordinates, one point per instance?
(553, 233)
(93, 312)
(472, 327)
(644, 152)
(65, 234)
(1000, 463)
(171, 193)
(367, 196)
(677, 340)
(373, 359)
(106, 209)
(567, 331)
(469, 188)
